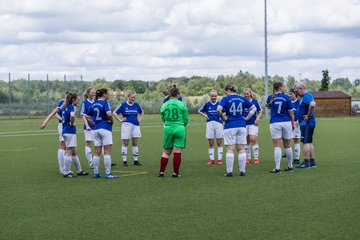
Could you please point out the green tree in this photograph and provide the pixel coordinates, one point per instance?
(341, 84)
(325, 81)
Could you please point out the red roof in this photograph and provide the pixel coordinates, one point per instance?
(330, 94)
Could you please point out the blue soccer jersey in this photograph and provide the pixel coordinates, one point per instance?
(233, 105)
(98, 112)
(296, 105)
(130, 112)
(251, 121)
(280, 107)
(303, 109)
(60, 107)
(66, 114)
(85, 107)
(168, 98)
(209, 109)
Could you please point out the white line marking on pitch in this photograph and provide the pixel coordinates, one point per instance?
(18, 150)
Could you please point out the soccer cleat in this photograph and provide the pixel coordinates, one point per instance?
(242, 174)
(312, 164)
(91, 166)
(161, 174)
(277, 171)
(125, 164)
(256, 161)
(113, 164)
(96, 175)
(211, 162)
(296, 161)
(220, 162)
(284, 155)
(228, 174)
(137, 163)
(176, 175)
(82, 173)
(110, 176)
(289, 169)
(248, 161)
(68, 175)
(304, 164)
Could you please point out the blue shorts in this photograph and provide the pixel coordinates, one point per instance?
(307, 133)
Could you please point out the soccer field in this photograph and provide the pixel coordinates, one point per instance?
(38, 203)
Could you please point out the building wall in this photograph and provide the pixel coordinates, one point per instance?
(333, 107)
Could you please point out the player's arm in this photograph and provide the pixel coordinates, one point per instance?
(47, 119)
(72, 118)
(257, 120)
(220, 113)
(291, 113)
(204, 115)
(109, 116)
(140, 118)
(58, 117)
(252, 111)
(185, 116)
(117, 117)
(85, 120)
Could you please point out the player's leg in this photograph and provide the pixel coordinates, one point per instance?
(168, 145)
(98, 149)
(287, 135)
(61, 155)
(211, 151)
(219, 135)
(125, 136)
(241, 140)
(220, 150)
(276, 135)
(229, 141)
(210, 135)
(179, 144)
(135, 151)
(247, 146)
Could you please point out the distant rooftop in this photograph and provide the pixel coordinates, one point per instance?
(330, 94)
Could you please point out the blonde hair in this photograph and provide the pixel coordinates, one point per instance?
(252, 94)
(86, 93)
(131, 93)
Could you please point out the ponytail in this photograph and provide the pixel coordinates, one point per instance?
(100, 93)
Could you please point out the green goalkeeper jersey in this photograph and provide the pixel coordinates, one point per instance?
(174, 113)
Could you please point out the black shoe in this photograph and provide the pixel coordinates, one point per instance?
(228, 174)
(113, 164)
(82, 173)
(125, 164)
(68, 175)
(242, 174)
(161, 174)
(176, 175)
(296, 161)
(284, 155)
(289, 169)
(277, 171)
(137, 163)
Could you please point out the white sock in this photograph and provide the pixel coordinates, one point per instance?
(88, 154)
(248, 152)
(211, 153)
(61, 156)
(67, 164)
(242, 161)
(135, 152)
(124, 153)
(107, 163)
(255, 149)
(229, 162)
(77, 164)
(96, 161)
(297, 151)
(220, 153)
(277, 157)
(288, 153)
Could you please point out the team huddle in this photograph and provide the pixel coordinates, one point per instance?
(234, 118)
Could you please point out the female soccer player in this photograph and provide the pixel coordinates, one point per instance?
(296, 134)
(57, 112)
(174, 115)
(89, 97)
(167, 98)
(132, 114)
(102, 117)
(69, 134)
(235, 127)
(252, 127)
(281, 125)
(214, 127)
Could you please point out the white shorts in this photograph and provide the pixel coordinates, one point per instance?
(129, 130)
(214, 130)
(70, 140)
(297, 132)
(252, 130)
(88, 136)
(61, 138)
(102, 137)
(235, 136)
(281, 130)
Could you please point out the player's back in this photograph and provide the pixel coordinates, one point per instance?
(174, 112)
(280, 107)
(98, 112)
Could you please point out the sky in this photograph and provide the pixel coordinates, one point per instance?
(155, 39)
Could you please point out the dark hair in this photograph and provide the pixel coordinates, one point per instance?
(277, 85)
(231, 87)
(100, 93)
(70, 97)
(86, 93)
(292, 91)
(174, 92)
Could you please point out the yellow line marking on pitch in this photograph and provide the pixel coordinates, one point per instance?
(130, 173)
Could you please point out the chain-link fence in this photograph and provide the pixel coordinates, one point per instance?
(22, 95)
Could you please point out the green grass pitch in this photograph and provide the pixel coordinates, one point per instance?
(38, 203)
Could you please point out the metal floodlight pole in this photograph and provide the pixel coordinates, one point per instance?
(29, 97)
(266, 57)
(65, 87)
(47, 93)
(81, 84)
(10, 107)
